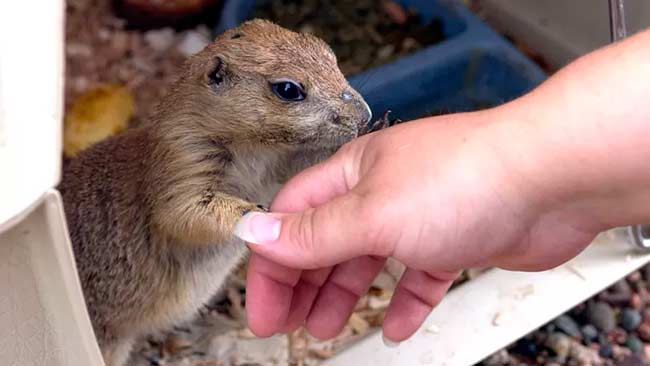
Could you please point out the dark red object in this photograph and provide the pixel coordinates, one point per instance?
(167, 13)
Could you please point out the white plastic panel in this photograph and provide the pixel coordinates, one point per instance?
(43, 319)
(31, 102)
(562, 30)
(499, 307)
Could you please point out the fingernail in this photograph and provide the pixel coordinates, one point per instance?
(388, 343)
(258, 228)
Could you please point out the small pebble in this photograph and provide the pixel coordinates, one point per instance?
(646, 272)
(385, 52)
(634, 276)
(619, 352)
(584, 356)
(643, 293)
(559, 343)
(526, 347)
(618, 294)
(631, 360)
(589, 333)
(566, 324)
(410, 44)
(606, 350)
(558, 359)
(621, 287)
(629, 319)
(550, 328)
(617, 335)
(634, 344)
(499, 358)
(644, 331)
(601, 315)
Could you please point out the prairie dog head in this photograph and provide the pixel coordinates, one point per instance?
(261, 83)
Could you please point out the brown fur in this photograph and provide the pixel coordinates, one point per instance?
(151, 211)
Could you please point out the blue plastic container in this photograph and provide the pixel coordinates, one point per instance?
(473, 68)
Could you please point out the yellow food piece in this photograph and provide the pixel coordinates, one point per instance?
(96, 115)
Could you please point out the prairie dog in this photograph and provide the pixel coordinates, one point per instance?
(151, 211)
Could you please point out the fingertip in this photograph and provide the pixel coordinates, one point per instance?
(260, 331)
(269, 289)
(258, 228)
(320, 333)
(402, 321)
(262, 320)
(388, 342)
(416, 295)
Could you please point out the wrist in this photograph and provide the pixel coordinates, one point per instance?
(583, 136)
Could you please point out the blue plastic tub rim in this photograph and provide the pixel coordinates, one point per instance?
(465, 35)
(235, 12)
(462, 29)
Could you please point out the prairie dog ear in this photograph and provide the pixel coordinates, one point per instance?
(217, 73)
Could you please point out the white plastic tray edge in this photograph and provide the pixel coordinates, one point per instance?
(497, 308)
(42, 308)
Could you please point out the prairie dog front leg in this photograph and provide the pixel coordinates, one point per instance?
(205, 218)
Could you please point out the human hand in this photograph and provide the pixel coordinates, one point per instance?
(439, 195)
(523, 186)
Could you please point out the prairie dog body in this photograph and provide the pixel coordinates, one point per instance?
(151, 211)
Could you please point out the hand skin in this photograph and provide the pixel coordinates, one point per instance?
(524, 186)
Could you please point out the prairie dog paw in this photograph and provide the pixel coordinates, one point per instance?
(263, 208)
(257, 208)
(384, 122)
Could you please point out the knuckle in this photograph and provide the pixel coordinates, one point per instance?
(374, 231)
(303, 238)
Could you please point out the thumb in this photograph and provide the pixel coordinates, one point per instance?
(336, 231)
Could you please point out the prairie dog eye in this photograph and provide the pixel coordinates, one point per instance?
(288, 90)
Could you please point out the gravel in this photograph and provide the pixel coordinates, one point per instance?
(629, 319)
(613, 329)
(601, 315)
(566, 324)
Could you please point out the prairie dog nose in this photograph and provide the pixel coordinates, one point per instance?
(359, 104)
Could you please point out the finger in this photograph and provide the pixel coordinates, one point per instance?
(416, 294)
(311, 187)
(339, 295)
(343, 228)
(269, 292)
(272, 283)
(304, 294)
